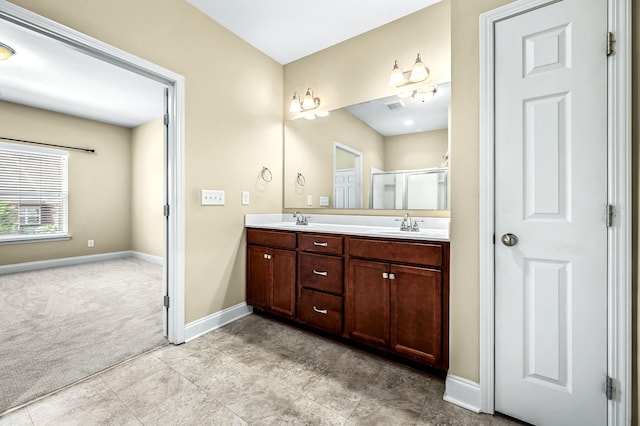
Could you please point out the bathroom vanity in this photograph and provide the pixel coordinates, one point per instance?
(375, 285)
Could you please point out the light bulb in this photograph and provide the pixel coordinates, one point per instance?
(419, 72)
(397, 77)
(308, 102)
(295, 104)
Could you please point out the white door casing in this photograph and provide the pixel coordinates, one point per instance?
(551, 192)
(619, 196)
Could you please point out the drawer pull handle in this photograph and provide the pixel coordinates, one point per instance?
(315, 243)
(323, 273)
(320, 311)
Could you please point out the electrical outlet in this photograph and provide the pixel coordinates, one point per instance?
(245, 198)
(211, 197)
(90, 243)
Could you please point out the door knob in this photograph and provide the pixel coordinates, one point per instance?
(509, 240)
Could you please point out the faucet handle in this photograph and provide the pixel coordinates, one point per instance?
(415, 227)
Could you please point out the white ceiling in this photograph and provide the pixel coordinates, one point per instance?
(50, 75)
(287, 30)
(410, 116)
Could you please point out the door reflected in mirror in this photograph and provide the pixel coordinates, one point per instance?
(389, 153)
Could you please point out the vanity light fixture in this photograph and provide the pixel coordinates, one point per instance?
(6, 52)
(307, 103)
(419, 72)
(423, 94)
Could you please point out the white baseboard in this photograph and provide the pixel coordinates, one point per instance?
(209, 323)
(462, 392)
(148, 257)
(65, 261)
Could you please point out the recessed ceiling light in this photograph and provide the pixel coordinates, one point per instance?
(6, 52)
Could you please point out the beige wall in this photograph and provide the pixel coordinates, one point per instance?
(228, 138)
(147, 177)
(358, 69)
(415, 151)
(99, 183)
(309, 150)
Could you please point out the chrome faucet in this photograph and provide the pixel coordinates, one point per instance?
(300, 219)
(409, 224)
(406, 223)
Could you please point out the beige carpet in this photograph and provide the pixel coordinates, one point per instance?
(62, 324)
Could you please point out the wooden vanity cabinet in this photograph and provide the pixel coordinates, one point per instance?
(389, 294)
(397, 298)
(271, 271)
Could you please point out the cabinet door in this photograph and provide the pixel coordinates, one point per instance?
(283, 291)
(258, 277)
(416, 313)
(368, 299)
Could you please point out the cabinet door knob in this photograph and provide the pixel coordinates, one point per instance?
(315, 243)
(323, 273)
(267, 256)
(320, 311)
(385, 275)
(392, 276)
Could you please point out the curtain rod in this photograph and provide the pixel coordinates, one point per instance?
(49, 144)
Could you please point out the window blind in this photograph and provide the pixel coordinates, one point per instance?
(33, 193)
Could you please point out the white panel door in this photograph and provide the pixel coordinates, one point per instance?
(345, 187)
(551, 193)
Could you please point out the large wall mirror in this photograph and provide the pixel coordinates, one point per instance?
(389, 153)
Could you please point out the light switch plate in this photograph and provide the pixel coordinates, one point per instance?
(309, 200)
(212, 197)
(245, 198)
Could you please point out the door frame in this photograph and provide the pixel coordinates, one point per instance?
(358, 167)
(174, 257)
(619, 263)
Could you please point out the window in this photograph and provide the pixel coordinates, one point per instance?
(33, 193)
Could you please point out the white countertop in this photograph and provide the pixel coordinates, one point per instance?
(431, 228)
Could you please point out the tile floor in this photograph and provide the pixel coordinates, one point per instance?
(254, 371)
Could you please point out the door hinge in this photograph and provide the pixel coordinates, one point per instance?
(609, 388)
(609, 216)
(611, 41)
(166, 210)
(166, 119)
(166, 302)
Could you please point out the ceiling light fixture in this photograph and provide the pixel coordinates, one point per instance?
(425, 93)
(419, 72)
(6, 52)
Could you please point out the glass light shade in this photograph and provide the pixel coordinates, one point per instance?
(308, 102)
(424, 94)
(310, 116)
(397, 77)
(419, 72)
(6, 52)
(295, 104)
(322, 113)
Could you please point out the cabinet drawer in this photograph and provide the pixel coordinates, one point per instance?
(320, 310)
(320, 243)
(320, 272)
(263, 237)
(397, 251)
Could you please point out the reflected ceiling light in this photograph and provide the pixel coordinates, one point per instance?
(423, 94)
(6, 52)
(419, 72)
(308, 102)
